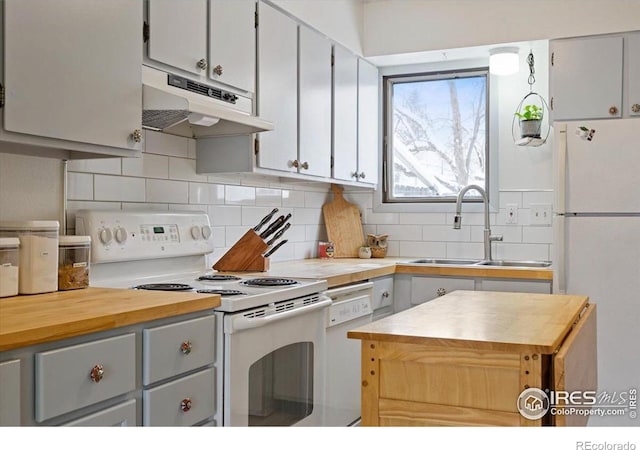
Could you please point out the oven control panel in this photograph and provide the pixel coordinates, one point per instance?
(129, 235)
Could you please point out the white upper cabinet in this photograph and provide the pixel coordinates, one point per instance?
(72, 71)
(586, 78)
(314, 155)
(278, 88)
(367, 122)
(178, 34)
(232, 43)
(345, 115)
(632, 58)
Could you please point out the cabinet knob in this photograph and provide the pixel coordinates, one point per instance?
(294, 163)
(385, 294)
(202, 64)
(441, 292)
(613, 110)
(217, 70)
(354, 175)
(186, 347)
(305, 165)
(97, 373)
(362, 175)
(136, 135)
(185, 404)
(635, 108)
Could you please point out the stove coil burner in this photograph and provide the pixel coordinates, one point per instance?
(164, 287)
(218, 278)
(269, 282)
(223, 292)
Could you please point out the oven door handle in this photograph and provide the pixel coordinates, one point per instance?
(241, 322)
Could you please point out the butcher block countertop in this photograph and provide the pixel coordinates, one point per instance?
(516, 322)
(34, 319)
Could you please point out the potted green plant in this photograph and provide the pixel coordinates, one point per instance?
(530, 120)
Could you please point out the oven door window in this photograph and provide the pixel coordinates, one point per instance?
(281, 386)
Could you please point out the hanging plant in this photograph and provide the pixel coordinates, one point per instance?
(530, 120)
(531, 115)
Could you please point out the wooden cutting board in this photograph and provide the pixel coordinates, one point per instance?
(344, 225)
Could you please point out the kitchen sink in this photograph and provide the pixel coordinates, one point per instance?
(458, 262)
(504, 263)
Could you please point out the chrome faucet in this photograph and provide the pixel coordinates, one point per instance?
(457, 221)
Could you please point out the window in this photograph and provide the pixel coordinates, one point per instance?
(436, 130)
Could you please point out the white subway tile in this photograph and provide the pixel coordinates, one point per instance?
(421, 249)
(537, 197)
(393, 248)
(191, 148)
(507, 197)
(316, 199)
(149, 166)
(465, 250)
(166, 144)
(537, 235)
(233, 234)
(510, 233)
(114, 188)
(79, 186)
(423, 218)
(307, 216)
(301, 250)
(297, 233)
(293, 199)
(370, 217)
(363, 200)
(288, 252)
(315, 233)
(145, 206)
(184, 169)
(221, 215)
(251, 215)
(107, 166)
(446, 233)
(472, 218)
(402, 232)
(268, 197)
(369, 229)
(536, 252)
(240, 195)
(218, 236)
(183, 207)
(167, 191)
(207, 194)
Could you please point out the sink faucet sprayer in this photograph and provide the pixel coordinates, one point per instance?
(457, 221)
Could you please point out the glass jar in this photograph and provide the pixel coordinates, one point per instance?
(9, 262)
(73, 262)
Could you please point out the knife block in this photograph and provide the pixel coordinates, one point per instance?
(245, 255)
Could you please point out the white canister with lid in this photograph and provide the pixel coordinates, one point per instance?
(9, 263)
(38, 254)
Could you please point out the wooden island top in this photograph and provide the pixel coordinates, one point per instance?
(482, 320)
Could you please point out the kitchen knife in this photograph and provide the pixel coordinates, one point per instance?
(275, 225)
(279, 233)
(272, 251)
(265, 219)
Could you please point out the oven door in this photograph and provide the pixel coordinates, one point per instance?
(273, 364)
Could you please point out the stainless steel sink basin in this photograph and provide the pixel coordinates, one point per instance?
(504, 263)
(459, 262)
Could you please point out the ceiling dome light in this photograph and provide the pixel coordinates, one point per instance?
(504, 60)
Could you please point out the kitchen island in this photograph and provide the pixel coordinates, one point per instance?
(465, 358)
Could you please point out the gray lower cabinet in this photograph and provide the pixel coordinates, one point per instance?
(10, 393)
(531, 286)
(121, 415)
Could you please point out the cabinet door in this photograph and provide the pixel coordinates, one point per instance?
(178, 33)
(586, 78)
(121, 415)
(10, 393)
(72, 70)
(315, 104)
(345, 114)
(367, 122)
(632, 55)
(278, 88)
(232, 43)
(539, 287)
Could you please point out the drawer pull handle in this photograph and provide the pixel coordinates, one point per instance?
(385, 294)
(185, 405)
(97, 373)
(441, 292)
(186, 347)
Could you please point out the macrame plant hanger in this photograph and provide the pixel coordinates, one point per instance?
(530, 126)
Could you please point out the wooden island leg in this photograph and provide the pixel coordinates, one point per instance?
(370, 387)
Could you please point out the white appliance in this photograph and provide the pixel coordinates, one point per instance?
(597, 241)
(270, 331)
(352, 307)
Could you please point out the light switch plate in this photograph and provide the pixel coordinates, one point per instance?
(511, 214)
(541, 214)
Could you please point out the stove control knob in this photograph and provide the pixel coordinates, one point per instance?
(196, 233)
(206, 232)
(121, 235)
(105, 236)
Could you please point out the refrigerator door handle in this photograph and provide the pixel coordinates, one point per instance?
(560, 163)
(559, 257)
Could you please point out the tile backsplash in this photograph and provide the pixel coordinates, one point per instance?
(165, 179)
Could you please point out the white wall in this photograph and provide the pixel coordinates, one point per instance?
(405, 26)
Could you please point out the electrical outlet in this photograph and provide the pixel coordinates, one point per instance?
(541, 214)
(511, 214)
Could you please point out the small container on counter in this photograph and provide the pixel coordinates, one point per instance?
(73, 262)
(9, 264)
(325, 249)
(38, 254)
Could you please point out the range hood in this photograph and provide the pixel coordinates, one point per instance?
(177, 105)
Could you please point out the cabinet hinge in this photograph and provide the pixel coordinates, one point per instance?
(145, 32)
(551, 104)
(333, 60)
(553, 57)
(1, 95)
(256, 146)
(255, 19)
(332, 162)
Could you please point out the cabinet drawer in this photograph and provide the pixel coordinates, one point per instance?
(177, 348)
(166, 405)
(382, 292)
(122, 415)
(63, 376)
(424, 288)
(10, 393)
(536, 287)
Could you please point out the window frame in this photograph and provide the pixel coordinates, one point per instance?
(385, 200)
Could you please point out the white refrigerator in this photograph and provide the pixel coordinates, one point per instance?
(596, 249)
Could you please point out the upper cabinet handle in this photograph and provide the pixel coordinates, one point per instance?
(202, 64)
